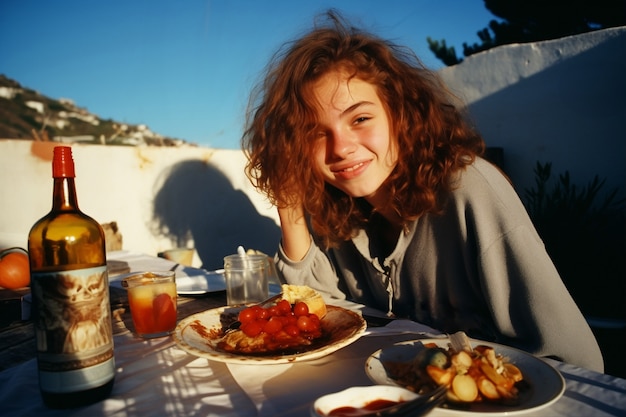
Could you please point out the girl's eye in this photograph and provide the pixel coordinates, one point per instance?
(361, 119)
(320, 136)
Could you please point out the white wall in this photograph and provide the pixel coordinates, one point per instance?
(560, 101)
(199, 190)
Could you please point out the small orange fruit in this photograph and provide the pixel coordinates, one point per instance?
(14, 268)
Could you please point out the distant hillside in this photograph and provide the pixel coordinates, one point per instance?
(26, 114)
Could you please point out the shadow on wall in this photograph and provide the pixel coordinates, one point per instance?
(197, 201)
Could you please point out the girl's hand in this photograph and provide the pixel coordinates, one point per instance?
(296, 239)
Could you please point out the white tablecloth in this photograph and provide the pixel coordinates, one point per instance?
(156, 378)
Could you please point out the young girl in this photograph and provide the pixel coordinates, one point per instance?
(383, 198)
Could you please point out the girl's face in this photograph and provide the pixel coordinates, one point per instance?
(354, 149)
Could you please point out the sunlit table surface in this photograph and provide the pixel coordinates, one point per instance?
(156, 378)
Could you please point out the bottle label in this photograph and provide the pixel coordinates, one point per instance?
(72, 322)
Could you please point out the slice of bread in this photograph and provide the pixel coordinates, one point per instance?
(312, 298)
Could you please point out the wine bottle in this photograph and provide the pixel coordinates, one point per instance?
(70, 291)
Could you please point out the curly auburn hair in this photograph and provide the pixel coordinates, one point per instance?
(434, 138)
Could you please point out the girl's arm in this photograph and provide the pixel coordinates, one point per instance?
(299, 261)
(296, 239)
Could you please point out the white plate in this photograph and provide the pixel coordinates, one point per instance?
(204, 283)
(359, 397)
(197, 335)
(546, 383)
(189, 281)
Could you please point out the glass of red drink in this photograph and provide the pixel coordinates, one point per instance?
(152, 301)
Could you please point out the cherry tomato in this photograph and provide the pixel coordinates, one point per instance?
(263, 314)
(273, 325)
(304, 324)
(283, 319)
(315, 319)
(252, 328)
(300, 309)
(273, 311)
(262, 323)
(246, 315)
(292, 330)
(284, 307)
(258, 311)
(315, 327)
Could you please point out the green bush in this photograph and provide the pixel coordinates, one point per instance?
(584, 232)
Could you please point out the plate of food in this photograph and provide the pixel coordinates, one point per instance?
(482, 377)
(297, 327)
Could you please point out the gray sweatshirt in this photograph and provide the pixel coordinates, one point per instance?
(479, 267)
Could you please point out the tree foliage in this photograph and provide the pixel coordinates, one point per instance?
(583, 232)
(536, 20)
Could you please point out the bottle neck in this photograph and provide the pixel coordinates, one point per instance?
(64, 194)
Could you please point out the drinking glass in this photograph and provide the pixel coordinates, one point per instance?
(152, 301)
(247, 278)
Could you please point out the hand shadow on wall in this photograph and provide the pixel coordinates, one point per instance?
(196, 200)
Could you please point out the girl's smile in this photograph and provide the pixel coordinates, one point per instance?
(354, 149)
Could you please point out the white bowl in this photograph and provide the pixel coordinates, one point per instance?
(359, 397)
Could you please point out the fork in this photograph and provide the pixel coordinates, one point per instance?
(414, 408)
(235, 325)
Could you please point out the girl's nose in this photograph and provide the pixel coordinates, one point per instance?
(341, 144)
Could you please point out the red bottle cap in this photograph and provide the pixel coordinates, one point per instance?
(62, 163)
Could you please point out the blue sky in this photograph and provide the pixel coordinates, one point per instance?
(186, 68)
